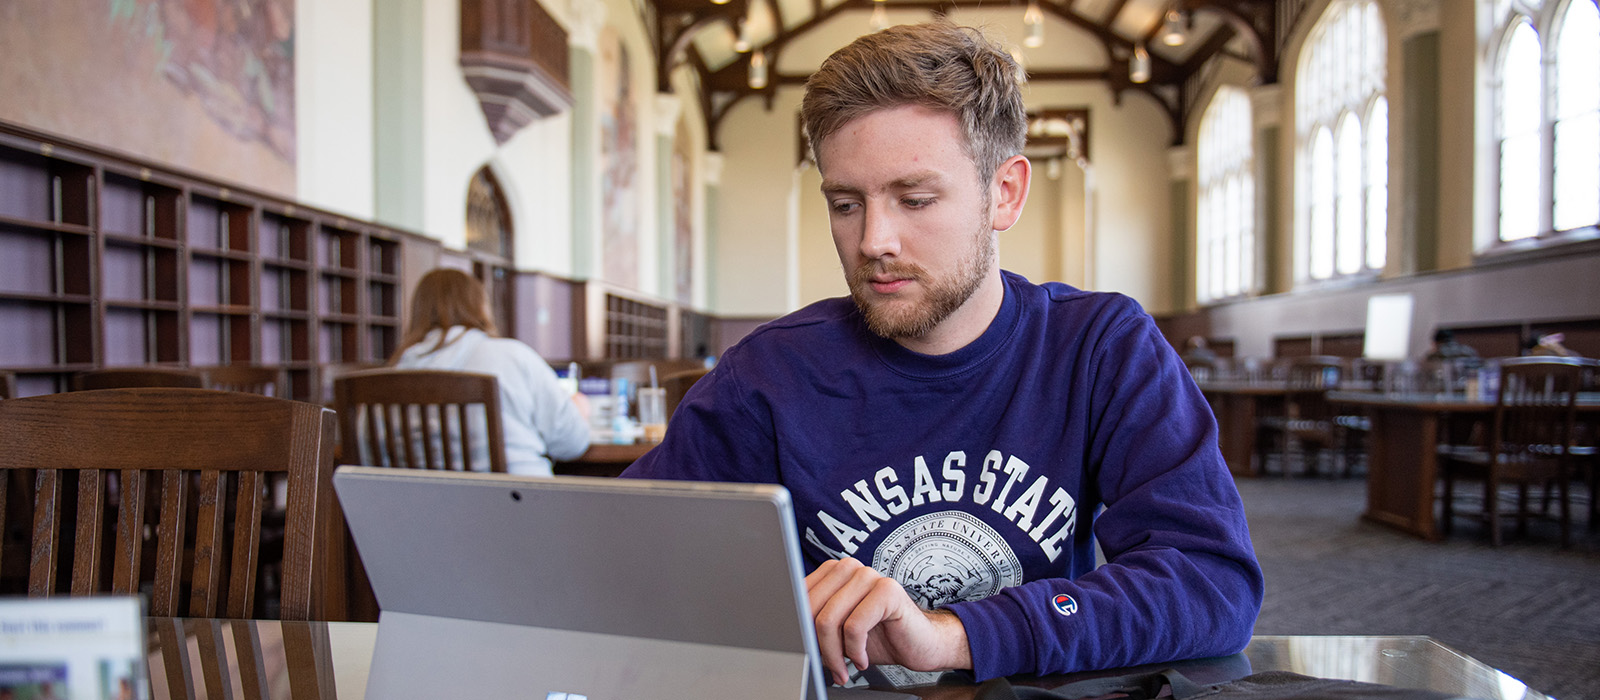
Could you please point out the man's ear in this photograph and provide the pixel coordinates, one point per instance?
(1009, 191)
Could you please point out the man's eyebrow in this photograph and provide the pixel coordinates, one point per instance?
(904, 183)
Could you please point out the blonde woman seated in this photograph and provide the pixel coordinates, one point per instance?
(451, 328)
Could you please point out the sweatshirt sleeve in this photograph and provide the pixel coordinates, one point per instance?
(560, 424)
(1180, 578)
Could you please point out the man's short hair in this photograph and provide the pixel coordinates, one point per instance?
(937, 65)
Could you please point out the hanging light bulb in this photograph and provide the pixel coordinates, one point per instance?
(719, 2)
(880, 16)
(1173, 32)
(758, 70)
(742, 43)
(1034, 19)
(1139, 65)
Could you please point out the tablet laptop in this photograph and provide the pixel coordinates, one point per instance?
(573, 588)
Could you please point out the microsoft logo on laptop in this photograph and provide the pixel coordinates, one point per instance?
(564, 696)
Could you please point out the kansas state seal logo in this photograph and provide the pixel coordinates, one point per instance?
(1064, 604)
(948, 557)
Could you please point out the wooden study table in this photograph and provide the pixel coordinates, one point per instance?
(1239, 406)
(1402, 451)
(193, 658)
(603, 459)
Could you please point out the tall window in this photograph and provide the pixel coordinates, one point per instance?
(1226, 242)
(1545, 59)
(1342, 145)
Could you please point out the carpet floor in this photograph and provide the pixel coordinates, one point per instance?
(1529, 607)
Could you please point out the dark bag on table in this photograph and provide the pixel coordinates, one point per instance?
(1268, 685)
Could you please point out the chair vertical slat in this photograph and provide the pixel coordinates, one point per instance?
(206, 577)
(410, 433)
(173, 642)
(369, 440)
(252, 666)
(169, 544)
(46, 533)
(445, 411)
(91, 532)
(246, 544)
(398, 424)
(306, 654)
(5, 495)
(214, 670)
(130, 533)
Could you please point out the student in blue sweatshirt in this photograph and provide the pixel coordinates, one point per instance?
(956, 439)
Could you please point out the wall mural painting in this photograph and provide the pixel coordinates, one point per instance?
(201, 84)
(619, 152)
(683, 215)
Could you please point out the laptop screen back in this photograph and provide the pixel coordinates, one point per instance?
(581, 586)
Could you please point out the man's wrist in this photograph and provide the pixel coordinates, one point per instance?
(953, 652)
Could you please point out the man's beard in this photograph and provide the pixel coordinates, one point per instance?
(902, 319)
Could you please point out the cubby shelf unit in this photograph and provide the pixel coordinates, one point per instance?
(108, 261)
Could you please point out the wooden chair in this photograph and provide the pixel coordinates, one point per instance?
(250, 379)
(194, 460)
(1306, 420)
(1530, 441)
(677, 384)
(132, 377)
(637, 372)
(418, 418)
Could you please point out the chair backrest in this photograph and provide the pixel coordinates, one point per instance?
(637, 372)
(1536, 408)
(195, 463)
(250, 379)
(418, 419)
(133, 377)
(1315, 372)
(677, 384)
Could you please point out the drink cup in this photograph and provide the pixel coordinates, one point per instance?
(653, 413)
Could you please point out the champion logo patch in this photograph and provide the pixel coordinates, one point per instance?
(1064, 604)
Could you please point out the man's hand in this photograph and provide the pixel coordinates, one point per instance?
(866, 616)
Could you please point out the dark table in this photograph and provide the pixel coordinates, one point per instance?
(1402, 461)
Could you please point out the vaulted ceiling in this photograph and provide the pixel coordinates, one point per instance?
(1082, 41)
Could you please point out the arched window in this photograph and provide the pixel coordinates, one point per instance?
(1341, 145)
(1545, 62)
(1577, 129)
(488, 217)
(1225, 245)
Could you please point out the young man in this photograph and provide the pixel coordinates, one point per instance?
(951, 432)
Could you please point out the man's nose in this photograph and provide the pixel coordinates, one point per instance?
(880, 234)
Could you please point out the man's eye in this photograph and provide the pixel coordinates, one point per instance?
(844, 207)
(917, 202)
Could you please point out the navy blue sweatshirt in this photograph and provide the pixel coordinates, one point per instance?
(981, 479)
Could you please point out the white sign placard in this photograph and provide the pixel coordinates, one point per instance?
(1388, 327)
(89, 648)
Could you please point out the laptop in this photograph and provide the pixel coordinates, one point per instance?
(583, 588)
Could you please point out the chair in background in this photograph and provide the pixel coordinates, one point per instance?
(1306, 422)
(637, 372)
(8, 385)
(418, 419)
(132, 377)
(1530, 442)
(250, 379)
(677, 384)
(105, 462)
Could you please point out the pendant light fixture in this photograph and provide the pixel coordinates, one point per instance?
(1034, 20)
(1139, 64)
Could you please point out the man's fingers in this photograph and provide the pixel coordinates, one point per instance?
(835, 595)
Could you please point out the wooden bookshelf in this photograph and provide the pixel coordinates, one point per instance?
(109, 261)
